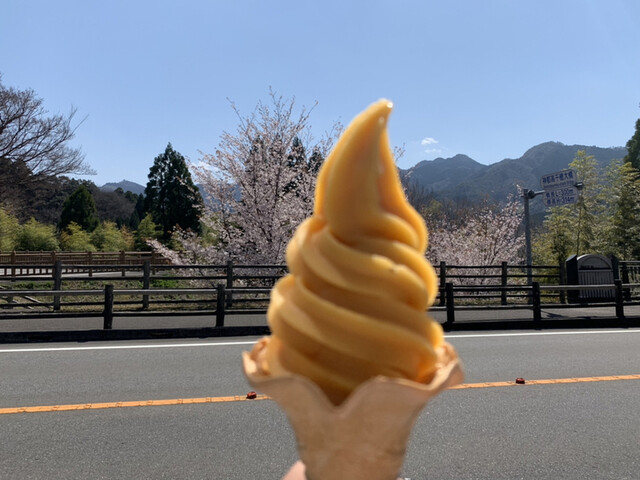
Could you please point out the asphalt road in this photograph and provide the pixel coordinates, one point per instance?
(577, 430)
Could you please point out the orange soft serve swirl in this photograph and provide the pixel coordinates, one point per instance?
(354, 304)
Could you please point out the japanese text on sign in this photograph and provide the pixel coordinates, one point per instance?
(560, 196)
(564, 178)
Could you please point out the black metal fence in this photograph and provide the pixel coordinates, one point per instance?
(114, 290)
(510, 279)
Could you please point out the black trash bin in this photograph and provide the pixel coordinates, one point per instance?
(590, 269)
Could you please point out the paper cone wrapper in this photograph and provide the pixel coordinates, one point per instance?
(365, 437)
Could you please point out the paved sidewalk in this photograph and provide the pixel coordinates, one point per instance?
(553, 313)
(60, 328)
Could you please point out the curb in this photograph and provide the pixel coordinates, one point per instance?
(131, 334)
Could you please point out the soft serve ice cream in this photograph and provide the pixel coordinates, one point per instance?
(354, 304)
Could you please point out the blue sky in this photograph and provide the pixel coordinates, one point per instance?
(485, 78)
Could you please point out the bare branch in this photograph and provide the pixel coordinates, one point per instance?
(30, 135)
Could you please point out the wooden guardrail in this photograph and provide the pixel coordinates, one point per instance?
(42, 263)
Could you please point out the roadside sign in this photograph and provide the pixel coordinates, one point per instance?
(561, 179)
(560, 196)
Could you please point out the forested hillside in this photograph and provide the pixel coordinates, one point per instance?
(462, 178)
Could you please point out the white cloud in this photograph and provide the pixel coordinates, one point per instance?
(428, 141)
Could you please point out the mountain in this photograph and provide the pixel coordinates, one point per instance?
(443, 174)
(462, 178)
(125, 185)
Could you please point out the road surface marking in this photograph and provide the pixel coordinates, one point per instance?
(251, 342)
(124, 347)
(550, 381)
(138, 403)
(240, 398)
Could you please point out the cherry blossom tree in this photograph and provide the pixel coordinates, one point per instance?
(259, 185)
(485, 235)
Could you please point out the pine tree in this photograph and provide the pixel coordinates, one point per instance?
(138, 213)
(79, 207)
(633, 148)
(171, 196)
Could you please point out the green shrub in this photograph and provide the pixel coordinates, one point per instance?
(9, 228)
(75, 239)
(35, 236)
(108, 238)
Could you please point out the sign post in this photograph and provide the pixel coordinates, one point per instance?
(559, 188)
(528, 195)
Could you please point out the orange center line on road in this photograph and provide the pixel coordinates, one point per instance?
(550, 381)
(135, 403)
(242, 398)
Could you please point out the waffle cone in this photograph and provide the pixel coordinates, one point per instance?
(365, 437)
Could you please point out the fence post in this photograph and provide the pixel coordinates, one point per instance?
(153, 260)
(229, 297)
(57, 283)
(108, 307)
(90, 262)
(625, 279)
(451, 316)
(443, 282)
(146, 282)
(13, 272)
(504, 278)
(122, 260)
(220, 301)
(535, 301)
(563, 281)
(619, 299)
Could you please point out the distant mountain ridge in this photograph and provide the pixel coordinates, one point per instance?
(442, 174)
(125, 185)
(462, 178)
(133, 187)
